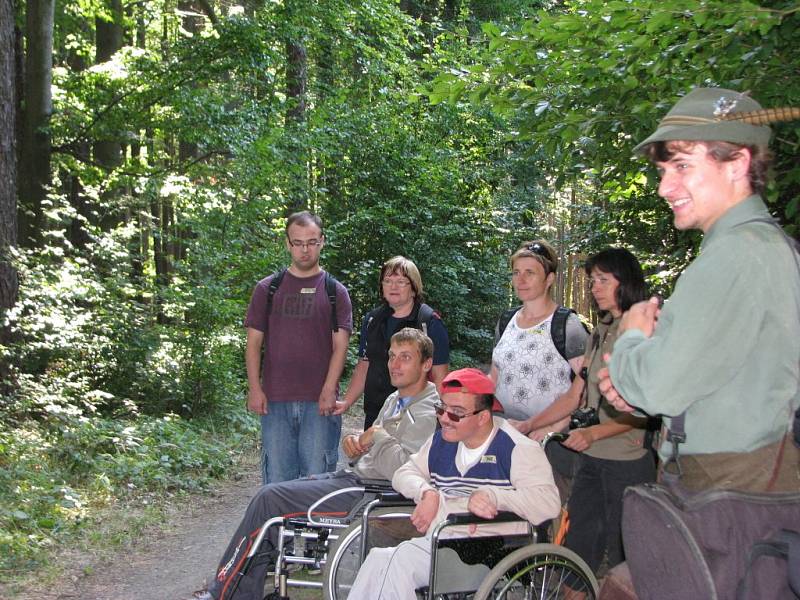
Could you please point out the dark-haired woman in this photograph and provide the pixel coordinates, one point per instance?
(611, 446)
(400, 287)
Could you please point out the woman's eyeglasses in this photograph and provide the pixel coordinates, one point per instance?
(454, 417)
(401, 283)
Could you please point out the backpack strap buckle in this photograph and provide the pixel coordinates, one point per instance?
(676, 436)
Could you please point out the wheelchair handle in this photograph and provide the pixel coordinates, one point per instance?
(554, 436)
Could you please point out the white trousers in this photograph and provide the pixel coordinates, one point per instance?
(394, 573)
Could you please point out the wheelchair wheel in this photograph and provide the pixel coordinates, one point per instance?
(539, 571)
(388, 527)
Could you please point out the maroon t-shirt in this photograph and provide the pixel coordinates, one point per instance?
(298, 342)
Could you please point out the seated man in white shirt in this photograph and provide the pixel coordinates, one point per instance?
(476, 463)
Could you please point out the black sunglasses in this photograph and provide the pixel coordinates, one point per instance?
(537, 248)
(454, 417)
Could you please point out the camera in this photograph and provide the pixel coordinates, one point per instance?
(584, 417)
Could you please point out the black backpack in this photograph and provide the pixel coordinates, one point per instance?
(558, 327)
(716, 544)
(330, 290)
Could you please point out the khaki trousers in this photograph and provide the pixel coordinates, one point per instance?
(772, 468)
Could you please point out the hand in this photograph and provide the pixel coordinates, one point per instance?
(341, 407)
(367, 438)
(351, 446)
(524, 427)
(580, 439)
(426, 510)
(642, 316)
(482, 503)
(327, 401)
(609, 391)
(539, 434)
(257, 401)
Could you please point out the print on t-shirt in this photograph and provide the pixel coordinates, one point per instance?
(297, 306)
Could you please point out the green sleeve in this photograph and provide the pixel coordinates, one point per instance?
(700, 342)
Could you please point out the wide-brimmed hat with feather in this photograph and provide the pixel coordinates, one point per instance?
(718, 115)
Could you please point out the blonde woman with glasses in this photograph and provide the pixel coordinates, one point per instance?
(401, 291)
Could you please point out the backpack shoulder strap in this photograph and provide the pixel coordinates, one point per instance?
(558, 329)
(274, 284)
(330, 289)
(424, 316)
(502, 322)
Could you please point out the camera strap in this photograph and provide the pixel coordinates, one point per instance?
(596, 345)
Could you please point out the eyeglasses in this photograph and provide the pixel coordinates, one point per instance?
(305, 244)
(401, 283)
(601, 281)
(454, 417)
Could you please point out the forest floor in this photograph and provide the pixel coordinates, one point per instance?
(168, 560)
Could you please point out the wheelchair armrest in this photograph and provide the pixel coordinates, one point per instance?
(375, 485)
(469, 518)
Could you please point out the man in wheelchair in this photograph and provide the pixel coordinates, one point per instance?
(475, 463)
(406, 420)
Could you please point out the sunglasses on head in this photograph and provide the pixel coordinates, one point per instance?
(454, 417)
(537, 248)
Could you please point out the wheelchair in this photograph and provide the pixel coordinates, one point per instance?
(486, 567)
(309, 540)
(510, 567)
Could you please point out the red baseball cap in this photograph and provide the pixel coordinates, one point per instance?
(472, 381)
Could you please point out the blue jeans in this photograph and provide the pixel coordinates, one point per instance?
(296, 441)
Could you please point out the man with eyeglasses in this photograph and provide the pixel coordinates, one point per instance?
(406, 420)
(295, 385)
(475, 463)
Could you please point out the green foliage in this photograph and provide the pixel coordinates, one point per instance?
(448, 134)
(102, 404)
(587, 80)
(52, 481)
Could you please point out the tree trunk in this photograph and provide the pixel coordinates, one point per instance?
(108, 153)
(9, 284)
(108, 34)
(325, 163)
(160, 257)
(192, 23)
(71, 183)
(140, 246)
(34, 172)
(296, 83)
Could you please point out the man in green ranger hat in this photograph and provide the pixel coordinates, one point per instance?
(721, 360)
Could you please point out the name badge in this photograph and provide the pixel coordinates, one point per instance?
(308, 290)
(489, 458)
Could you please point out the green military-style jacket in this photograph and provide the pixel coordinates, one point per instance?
(727, 345)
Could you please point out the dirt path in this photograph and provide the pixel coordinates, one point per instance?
(168, 562)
